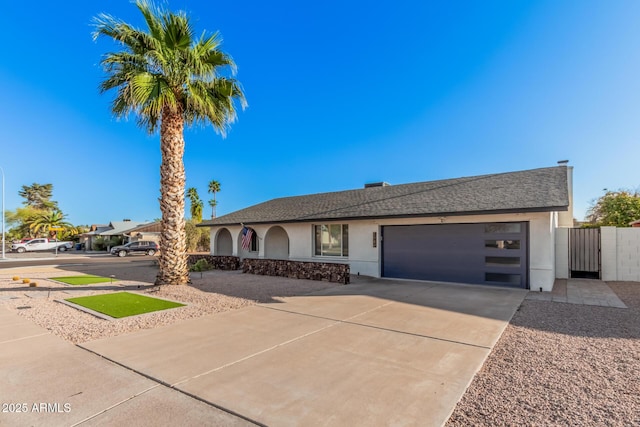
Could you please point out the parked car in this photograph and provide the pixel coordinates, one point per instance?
(140, 247)
(41, 245)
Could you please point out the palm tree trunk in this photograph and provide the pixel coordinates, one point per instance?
(173, 248)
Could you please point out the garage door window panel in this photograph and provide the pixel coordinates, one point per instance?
(503, 227)
(502, 261)
(502, 244)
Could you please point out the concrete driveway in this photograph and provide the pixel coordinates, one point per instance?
(375, 352)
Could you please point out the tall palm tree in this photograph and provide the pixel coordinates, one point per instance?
(213, 203)
(41, 223)
(195, 204)
(214, 187)
(168, 78)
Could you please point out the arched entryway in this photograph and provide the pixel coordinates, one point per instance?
(276, 243)
(223, 243)
(248, 243)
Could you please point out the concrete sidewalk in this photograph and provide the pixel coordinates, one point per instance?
(47, 381)
(377, 353)
(580, 291)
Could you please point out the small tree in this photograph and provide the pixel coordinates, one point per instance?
(615, 208)
(20, 220)
(192, 235)
(197, 237)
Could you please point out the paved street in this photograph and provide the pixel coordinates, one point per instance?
(67, 258)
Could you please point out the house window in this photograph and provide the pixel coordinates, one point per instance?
(331, 240)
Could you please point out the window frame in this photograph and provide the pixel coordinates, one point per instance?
(317, 248)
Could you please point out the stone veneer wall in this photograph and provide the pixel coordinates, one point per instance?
(219, 262)
(330, 272)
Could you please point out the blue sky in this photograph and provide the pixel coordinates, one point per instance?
(340, 93)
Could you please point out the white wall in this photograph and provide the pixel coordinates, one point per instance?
(364, 258)
(628, 254)
(562, 253)
(542, 254)
(608, 253)
(620, 253)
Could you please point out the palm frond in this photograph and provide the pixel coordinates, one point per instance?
(150, 14)
(168, 67)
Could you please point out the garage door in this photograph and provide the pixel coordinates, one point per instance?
(488, 253)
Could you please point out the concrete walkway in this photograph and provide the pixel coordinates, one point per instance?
(580, 291)
(47, 381)
(376, 353)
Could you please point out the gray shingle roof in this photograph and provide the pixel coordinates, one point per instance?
(120, 227)
(537, 190)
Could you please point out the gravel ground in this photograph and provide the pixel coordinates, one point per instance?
(215, 292)
(561, 364)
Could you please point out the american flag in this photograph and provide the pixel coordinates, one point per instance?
(246, 238)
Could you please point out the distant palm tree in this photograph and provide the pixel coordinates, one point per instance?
(213, 203)
(214, 187)
(168, 77)
(41, 223)
(196, 204)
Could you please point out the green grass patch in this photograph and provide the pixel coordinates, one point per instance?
(85, 279)
(123, 304)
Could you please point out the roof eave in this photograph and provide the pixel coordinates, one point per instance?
(421, 215)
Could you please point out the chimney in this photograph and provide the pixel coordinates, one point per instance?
(377, 184)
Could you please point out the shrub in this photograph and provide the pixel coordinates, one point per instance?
(101, 244)
(201, 265)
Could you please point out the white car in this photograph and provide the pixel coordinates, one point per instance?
(41, 244)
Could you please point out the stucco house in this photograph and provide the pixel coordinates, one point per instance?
(496, 229)
(113, 229)
(150, 232)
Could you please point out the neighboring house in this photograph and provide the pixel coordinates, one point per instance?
(635, 223)
(148, 232)
(494, 229)
(89, 237)
(113, 229)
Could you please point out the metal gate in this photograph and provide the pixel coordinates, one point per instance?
(584, 253)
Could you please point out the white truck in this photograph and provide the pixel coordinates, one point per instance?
(41, 244)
